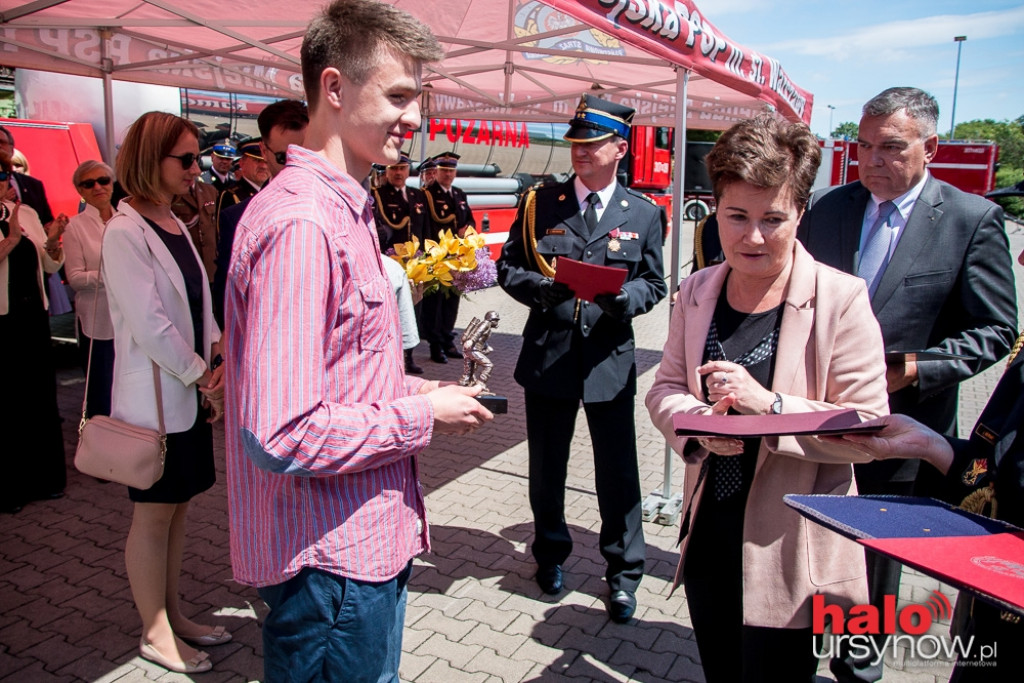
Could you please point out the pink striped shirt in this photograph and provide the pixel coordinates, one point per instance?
(322, 425)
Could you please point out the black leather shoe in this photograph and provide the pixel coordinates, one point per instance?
(437, 355)
(621, 606)
(453, 352)
(410, 365)
(549, 578)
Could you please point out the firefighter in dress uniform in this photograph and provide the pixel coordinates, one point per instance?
(400, 212)
(448, 210)
(219, 174)
(575, 351)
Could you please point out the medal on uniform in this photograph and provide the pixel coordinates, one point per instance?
(614, 245)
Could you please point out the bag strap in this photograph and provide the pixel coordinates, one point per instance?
(88, 363)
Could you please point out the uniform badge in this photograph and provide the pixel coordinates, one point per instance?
(978, 467)
(556, 231)
(561, 197)
(614, 245)
(986, 434)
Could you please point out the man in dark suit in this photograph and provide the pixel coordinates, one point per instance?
(448, 209)
(576, 351)
(937, 264)
(400, 212)
(26, 189)
(281, 123)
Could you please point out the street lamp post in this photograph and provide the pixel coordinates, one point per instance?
(830, 110)
(959, 40)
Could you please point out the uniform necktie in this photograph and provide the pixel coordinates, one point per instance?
(876, 250)
(590, 215)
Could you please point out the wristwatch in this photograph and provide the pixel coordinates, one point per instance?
(218, 360)
(777, 405)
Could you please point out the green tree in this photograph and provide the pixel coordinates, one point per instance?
(848, 129)
(1009, 135)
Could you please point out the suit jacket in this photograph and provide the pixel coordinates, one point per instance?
(227, 224)
(447, 212)
(995, 451)
(33, 193)
(948, 287)
(604, 363)
(829, 356)
(152, 321)
(390, 210)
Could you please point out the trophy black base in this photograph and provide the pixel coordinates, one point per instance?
(496, 404)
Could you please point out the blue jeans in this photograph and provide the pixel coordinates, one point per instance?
(324, 627)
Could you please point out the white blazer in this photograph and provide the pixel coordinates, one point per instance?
(152, 321)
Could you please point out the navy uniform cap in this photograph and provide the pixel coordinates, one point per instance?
(225, 150)
(403, 160)
(426, 165)
(598, 119)
(447, 160)
(251, 149)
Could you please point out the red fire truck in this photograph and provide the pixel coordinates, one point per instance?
(969, 165)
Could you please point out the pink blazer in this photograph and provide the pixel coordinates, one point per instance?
(830, 355)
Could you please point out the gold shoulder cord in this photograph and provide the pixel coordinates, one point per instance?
(698, 243)
(400, 225)
(433, 212)
(1016, 349)
(530, 220)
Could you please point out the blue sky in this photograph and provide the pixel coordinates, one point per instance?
(844, 53)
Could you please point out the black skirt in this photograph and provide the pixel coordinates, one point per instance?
(188, 469)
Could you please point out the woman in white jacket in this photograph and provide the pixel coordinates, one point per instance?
(160, 306)
(94, 181)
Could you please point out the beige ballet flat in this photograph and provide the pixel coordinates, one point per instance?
(218, 636)
(197, 665)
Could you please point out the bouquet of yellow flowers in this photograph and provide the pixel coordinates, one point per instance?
(450, 265)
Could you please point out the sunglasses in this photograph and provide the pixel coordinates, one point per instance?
(4, 175)
(186, 159)
(280, 157)
(91, 182)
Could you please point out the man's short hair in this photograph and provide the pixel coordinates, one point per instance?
(289, 114)
(350, 35)
(6, 132)
(147, 143)
(918, 104)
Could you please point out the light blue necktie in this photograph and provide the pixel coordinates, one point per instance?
(876, 250)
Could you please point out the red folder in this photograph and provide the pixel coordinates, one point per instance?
(588, 280)
(751, 426)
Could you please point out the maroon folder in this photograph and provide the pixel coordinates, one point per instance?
(752, 426)
(588, 280)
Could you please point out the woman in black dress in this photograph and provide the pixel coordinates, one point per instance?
(29, 419)
(160, 306)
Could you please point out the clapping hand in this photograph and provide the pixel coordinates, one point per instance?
(14, 225)
(731, 379)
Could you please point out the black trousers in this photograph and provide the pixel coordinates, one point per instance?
(437, 320)
(101, 376)
(550, 423)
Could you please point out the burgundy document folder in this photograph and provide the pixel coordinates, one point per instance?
(588, 280)
(751, 426)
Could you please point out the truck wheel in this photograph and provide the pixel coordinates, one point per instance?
(695, 210)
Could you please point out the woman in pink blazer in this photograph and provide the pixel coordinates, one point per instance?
(768, 331)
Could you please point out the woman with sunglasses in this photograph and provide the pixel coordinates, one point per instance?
(29, 418)
(94, 182)
(160, 307)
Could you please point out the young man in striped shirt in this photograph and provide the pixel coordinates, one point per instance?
(324, 427)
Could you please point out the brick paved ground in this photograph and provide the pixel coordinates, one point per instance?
(474, 612)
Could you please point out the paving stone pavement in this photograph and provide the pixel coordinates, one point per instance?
(474, 611)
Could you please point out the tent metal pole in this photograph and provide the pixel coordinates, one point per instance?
(662, 507)
(108, 95)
